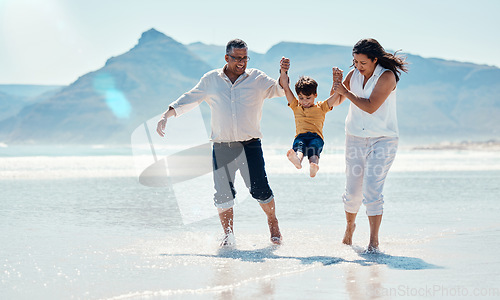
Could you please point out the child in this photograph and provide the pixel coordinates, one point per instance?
(309, 118)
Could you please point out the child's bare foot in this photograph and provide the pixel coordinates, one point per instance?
(313, 169)
(349, 231)
(292, 156)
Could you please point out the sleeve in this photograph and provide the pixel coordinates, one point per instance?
(294, 104)
(325, 107)
(191, 99)
(273, 87)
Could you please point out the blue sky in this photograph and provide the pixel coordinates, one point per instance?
(56, 41)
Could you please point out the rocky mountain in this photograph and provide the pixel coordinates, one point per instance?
(14, 97)
(106, 105)
(437, 100)
(28, 91)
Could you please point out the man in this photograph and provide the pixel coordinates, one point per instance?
(235, 95)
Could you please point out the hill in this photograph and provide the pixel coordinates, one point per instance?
(438, 100)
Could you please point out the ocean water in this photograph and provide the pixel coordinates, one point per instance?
(81, 226)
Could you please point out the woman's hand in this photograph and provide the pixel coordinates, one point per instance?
(340, 88)
(337, 74)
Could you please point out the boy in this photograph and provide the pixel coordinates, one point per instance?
(309, 118)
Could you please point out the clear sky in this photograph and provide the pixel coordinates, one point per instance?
(56, 41)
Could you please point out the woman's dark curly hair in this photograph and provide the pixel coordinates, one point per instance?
(372, 49)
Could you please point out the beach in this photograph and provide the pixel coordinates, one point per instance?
(82, 226)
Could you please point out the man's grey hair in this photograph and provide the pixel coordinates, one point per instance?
(236, 43)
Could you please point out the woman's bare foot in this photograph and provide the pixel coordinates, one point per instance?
(275, 231)
(292, 156)
(349, 231)
(372, 249)
(373, 245)
(313, 169)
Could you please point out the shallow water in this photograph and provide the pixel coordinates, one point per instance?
(82, 227)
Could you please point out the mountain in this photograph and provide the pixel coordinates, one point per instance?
(14, 97)
(437, 100)
(449, 100)
(27, 91)
(9, 105)
(106, 105)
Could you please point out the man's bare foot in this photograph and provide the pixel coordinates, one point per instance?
(313, 169)
(228, 240)
(292, 156)
(275, 231)
(349, 231)
(276, 240)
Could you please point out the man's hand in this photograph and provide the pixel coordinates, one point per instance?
(284, 65)
(160, 128)
(285, 80)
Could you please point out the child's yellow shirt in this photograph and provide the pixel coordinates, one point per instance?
(310, 119)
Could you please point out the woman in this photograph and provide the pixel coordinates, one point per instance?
(371, 131)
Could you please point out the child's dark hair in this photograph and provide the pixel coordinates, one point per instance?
(306, 85)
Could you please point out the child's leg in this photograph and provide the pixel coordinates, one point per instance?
(314, 149)
(313, 165)
(296, 154)
(295, 158)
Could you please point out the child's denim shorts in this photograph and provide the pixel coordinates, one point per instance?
(308, 143)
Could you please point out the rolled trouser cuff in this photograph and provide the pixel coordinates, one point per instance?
(224, 205)
(265, 201)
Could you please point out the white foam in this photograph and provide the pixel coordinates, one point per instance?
(50, 167)
(54, 167)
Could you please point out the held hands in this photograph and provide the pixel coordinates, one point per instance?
(337, 74)
(338, 86)
(284, 65)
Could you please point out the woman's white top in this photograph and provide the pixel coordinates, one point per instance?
(383, 122)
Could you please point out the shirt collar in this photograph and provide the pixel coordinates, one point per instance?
(223, 75)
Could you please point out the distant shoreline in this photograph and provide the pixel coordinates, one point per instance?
(490, 145)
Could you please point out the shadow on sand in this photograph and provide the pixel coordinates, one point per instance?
(261, 255)
(393, 262)
(368, 259)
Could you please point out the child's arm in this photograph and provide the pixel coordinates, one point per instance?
(284, 79)
(336, 99)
